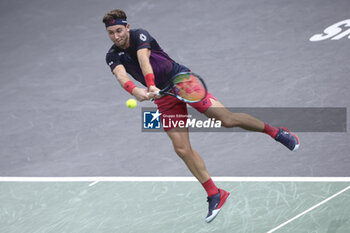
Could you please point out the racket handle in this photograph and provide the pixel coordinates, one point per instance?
(153, 98)
(158, 93)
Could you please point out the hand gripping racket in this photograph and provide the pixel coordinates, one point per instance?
(187, 87)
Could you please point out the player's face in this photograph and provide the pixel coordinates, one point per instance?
(119, 34)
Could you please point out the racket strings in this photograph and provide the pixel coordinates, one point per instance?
(190, 88)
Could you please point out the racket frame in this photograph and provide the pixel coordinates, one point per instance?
(171, 86)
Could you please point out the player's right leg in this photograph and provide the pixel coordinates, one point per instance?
(216, 197)
(181, 143)
(175, 110)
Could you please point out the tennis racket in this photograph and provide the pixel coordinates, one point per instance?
(187, 87)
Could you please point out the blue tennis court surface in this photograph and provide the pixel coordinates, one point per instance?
(175, 206)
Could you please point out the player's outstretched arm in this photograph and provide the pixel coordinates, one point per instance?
(123, 79)
(143, 56)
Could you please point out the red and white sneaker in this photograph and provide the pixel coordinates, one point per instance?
(215, 204)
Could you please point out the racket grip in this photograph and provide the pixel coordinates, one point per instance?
(153, 98)
(158, 93)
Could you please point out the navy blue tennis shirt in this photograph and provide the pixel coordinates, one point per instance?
(163, 66)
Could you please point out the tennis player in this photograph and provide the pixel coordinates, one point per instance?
(137, 53)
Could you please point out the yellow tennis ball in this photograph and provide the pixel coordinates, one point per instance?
(131, 103)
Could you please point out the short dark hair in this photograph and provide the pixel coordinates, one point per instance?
(114, 14)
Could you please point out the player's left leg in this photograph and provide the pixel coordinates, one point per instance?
(230, 119)
(245, 121)
(212, 108)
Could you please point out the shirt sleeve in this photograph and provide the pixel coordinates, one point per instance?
(112, 60)
(143, 39)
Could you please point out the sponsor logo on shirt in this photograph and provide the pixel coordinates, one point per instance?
(143, 37)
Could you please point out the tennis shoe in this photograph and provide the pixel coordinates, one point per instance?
(215, 204)
(288, 139)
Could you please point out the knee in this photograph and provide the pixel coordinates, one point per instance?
(183, 151)
(234, 120)
(229, 122)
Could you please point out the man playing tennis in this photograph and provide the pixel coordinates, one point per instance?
(137, 53)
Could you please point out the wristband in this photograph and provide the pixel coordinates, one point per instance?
(129, 86)
(149, 78)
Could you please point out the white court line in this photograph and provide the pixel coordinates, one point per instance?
(308, 210)
(172, 179)
(93, 183)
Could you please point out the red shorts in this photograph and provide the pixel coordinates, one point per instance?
(174, 110)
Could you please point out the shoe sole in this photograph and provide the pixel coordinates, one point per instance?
(216, 212)
(296, 148)
(297, 145)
